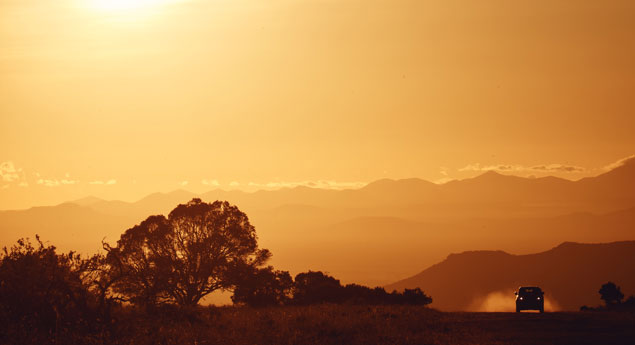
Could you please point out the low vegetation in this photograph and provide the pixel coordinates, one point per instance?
(342, 324)
(146, 289)
(161, 267)
(613, 299)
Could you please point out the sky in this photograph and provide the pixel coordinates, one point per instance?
(119, 99)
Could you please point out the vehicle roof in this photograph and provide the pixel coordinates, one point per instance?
(529, 287)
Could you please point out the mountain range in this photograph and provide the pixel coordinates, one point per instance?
(380, 233)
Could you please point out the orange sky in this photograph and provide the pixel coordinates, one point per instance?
(147, 97)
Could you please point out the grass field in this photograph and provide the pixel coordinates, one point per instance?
(336, 324)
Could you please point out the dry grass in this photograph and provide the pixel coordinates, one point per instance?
(333, 324)
(348, 324)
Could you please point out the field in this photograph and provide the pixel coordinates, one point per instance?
(336, 324)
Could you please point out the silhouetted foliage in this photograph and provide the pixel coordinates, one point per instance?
(165, 265)
(611, 294)
(199, 248)
(416, 297)
(317, 287)
(629, 304)
(263, 287)
(47, 294)
(358, 294)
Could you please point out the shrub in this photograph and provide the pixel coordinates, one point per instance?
(45, 293)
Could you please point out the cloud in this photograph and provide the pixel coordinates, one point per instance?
(520, 168)
(499, 167)
(210, 182)
(100, 182)
(56, 183)
(184, 183)
(558, 168)
(8, 172)
(48, 183)
(234, 183)
(619, 163)
(444, 180)
(321, 184)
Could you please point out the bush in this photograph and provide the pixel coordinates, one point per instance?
(317, 287)
(611, 294)
(45, 293)
(263, 287)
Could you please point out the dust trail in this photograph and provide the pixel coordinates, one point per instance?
(505, 301)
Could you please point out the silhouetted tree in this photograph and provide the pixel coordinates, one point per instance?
(416, 297)
(611, 294)
(316, 287)
(359, 294)
(199, 248)
(263, 287)
(99, 279)
(42, 292)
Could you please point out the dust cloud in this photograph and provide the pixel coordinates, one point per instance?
(505, 301)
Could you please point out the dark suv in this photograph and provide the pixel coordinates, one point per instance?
(530, 298)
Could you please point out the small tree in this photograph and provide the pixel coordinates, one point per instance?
(199, 248)
(416, 297)
(263, 287)
(316, 287)
(611, 294)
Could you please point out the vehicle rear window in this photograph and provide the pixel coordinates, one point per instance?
(530, 290)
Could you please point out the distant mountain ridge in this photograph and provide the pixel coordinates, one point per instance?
(606, 192)
(571, 274)
(500, 194)
(377, 234)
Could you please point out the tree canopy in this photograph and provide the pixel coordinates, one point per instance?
(263, 287)
(611, 294)
(266, 287)
(199, 248)
(316, 287)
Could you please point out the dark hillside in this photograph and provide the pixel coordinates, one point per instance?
(570, 273)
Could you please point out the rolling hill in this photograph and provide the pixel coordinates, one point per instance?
(571, 274)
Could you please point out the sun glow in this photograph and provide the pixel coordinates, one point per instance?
(126, 5)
